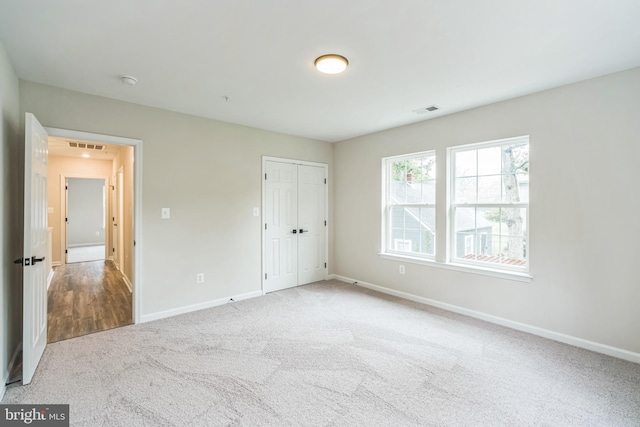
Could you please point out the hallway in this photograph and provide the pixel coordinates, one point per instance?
(85, 298)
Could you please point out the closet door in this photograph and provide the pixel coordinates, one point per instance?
(311, 227)
(295, 225)
(281, 216)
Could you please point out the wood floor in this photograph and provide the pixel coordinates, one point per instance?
(85, 298)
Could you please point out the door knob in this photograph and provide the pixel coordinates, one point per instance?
(36, 260)
(303, 231)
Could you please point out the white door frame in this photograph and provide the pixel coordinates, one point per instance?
(64, 202)
(325, 166)
(137, 201)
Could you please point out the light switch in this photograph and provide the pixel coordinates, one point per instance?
(256, 211)
(165, 213)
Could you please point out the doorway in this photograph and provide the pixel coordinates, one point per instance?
(90, 290)
(132, 205)
(295, 223)
(85, 219)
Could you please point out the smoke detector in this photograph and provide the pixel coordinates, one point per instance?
(129, 80)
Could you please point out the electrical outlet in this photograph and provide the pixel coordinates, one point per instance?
(200, 278)
(401, 269)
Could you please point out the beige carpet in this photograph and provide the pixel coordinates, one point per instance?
(85, 253)
(330, 354)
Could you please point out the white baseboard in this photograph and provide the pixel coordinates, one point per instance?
(9, 369)
(56, 263)
(127, 282)
(199, 306)
(49, 278)
(545, 333)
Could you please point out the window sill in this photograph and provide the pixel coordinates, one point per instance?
(509, 275)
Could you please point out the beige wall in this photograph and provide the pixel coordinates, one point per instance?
(68, 167)
(585, 151)
(208, 172)
(11, 181)
(125, 160)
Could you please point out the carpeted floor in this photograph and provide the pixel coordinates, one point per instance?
(85, 253)
(330, 354)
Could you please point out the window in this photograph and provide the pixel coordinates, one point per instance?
(489, 187)
(410, 205)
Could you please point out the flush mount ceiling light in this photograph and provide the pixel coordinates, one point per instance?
(129, 80)
(331, 64)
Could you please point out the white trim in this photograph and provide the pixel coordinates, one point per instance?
(127, 282)
(8, 369)
(198, 306)
(56, 264)
(325, 166)
(545, 333)
(49, 278)
(137, 202)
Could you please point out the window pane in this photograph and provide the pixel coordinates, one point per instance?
(489, 161)
(398, 184)
(513, 222)
(466, 164)
(512, 251)
(427, 230)
(466, 190)
(489, 189)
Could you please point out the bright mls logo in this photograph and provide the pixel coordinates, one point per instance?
(34, 415)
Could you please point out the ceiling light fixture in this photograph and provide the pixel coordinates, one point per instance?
(129, 80)
(331, 64)
(86, 156)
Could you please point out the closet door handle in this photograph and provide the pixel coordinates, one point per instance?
(303, 231)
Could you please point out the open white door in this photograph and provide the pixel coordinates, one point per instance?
(34, 338)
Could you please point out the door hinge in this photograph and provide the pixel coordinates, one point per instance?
(134, 243)
(66, 251)
(113, 250)
(265, 226)
(265, 276)
(325, 265)
(265, 176)
(325, 180)
(66, 187)
(66, 220)
(325, 222)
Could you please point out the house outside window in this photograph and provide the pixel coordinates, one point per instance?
(409, 205)
(489, 209)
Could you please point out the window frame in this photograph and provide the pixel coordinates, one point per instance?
(387, 244)
(452, 245)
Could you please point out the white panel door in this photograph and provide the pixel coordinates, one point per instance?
(281, 243)
(311, 224)
(34, 337)
(295, 227)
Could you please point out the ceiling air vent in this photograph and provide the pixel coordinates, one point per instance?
(424, 110)
(86, 146)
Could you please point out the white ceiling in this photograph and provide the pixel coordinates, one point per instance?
(189, 54)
